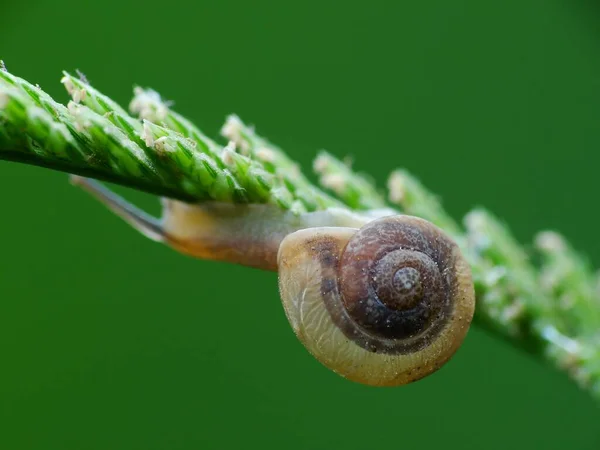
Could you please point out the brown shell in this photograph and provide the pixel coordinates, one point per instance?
(383, 305)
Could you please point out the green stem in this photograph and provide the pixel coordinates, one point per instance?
(551, 310)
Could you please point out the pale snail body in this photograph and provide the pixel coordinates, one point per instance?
(379, 298)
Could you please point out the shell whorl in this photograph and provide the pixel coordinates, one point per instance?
(385, 304)
(396, 282)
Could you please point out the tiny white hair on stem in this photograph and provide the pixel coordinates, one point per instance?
(320, 164)
(550, 242)
(162, 144)
(147, 104)
(227, 153)
(232, 130)
(81, 122)
(77, 94)
(265, 154)
(334, 181)
(396, 187)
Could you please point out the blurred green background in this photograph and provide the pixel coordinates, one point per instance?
(109, 341)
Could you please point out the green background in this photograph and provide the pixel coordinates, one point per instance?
(109, 341)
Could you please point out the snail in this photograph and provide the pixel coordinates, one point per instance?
(380, 298)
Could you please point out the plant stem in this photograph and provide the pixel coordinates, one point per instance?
(551, 310)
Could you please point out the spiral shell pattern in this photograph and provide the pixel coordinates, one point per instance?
(386, 304)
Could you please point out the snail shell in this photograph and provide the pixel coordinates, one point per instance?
(383, 305)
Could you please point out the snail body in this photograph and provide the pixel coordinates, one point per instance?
(379, 298)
